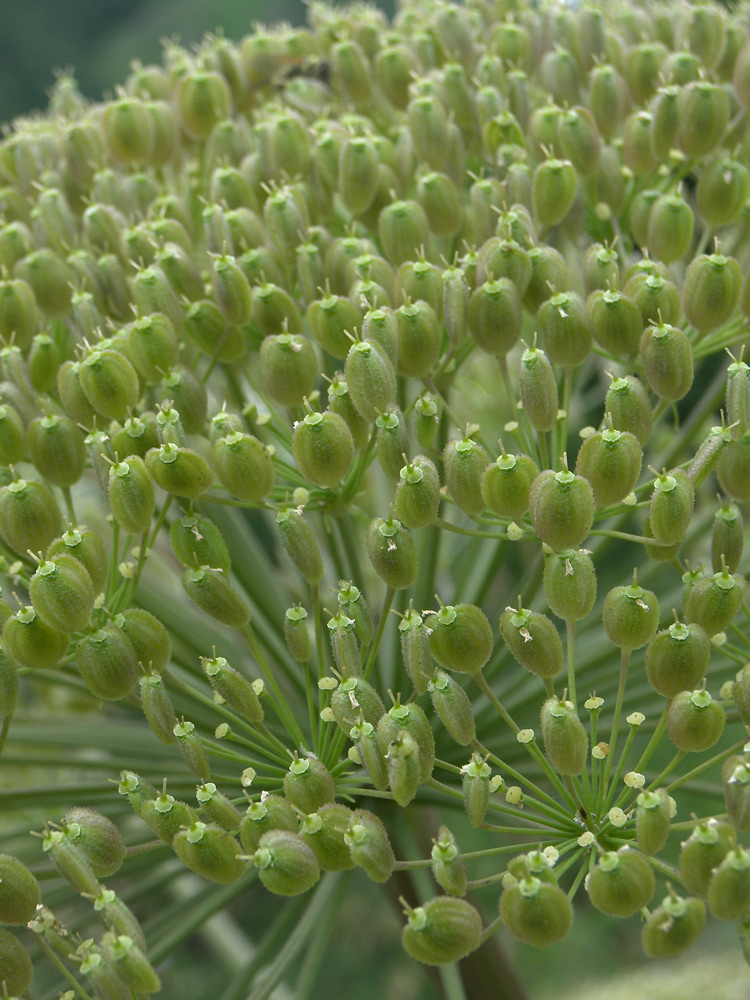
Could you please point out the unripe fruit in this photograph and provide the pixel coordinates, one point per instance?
(702, 852)
(736, 777)
(652, 821)
(86, 546)
(403, 228)
(538, 389)
(611, 462)
(549, 274)
(235, 689)
(331, 319)
(371, 379)
(453, 708)
(210, 591)
(622, 883)
(494, 316)
(673, 926)
(448, 868)
(628, 404)
(616, 322)
(70, 861)
(533, 640)
(324, 832)
(180, 471)
(630, 616)
(695, 721)
(733, 469)
(464, 462)
(272, 812)
(506, 485)
(667, 359)
(29, 516)
(147, 636)
(152, 346)
(244, 466)
(107, 663)
(417, 496)
(15, 965)
(570, 584)
(729, 888)
(722, 190)
(444, 930)
(98, 838)
(370, 847)
(354, 603)
(110, 383)
(300, 543)
(344, 646)
(57, 450)
(553, 192)
(562, 508)
(209, 851)
(289, 367)
(202, 101)
(537, 912)
(677, 659)
(355, 700)
(418, 334)
(392, 552)
(323, 448)
(197, 541)
(128, 131)
(703, 109)
(712, 291)
(727, 538)
(308, 784)
(12, 436)
(358, 174)
(19, 892)
(31, 642)
(62, 593)
(567, 332)
(409, 719)
(131, 495)
(565, 740)
(670, 228)
(657, 298)
(461, 638)
(671, 506)
(715, 600)
(158, 709)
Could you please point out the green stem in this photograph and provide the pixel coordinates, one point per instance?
(624, 662)
(447, 526)
(4, 730)
(387, 601)
(704, 766)
(284, 712)
(570, 633)
(79, 990)
(68, 498)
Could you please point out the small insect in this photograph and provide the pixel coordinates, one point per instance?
(313, 69)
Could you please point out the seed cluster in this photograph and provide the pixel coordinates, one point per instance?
(264, 315)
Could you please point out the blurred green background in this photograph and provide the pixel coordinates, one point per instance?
(99, 38)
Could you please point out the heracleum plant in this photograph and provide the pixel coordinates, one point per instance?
(375, 438)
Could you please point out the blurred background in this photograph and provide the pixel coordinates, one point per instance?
(100, 38)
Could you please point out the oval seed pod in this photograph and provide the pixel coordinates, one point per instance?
(289, 367)
(444, 930)
(652, 821)
(616, 322)
(553, 191)
(107, 663)
(535, 911)
(19, 318)
(323, 448)
(448, 868)
(736, 777)
(549, 274)
(147, 636)
(703, 851)
(722, 190)
(70, 861)
(205, 324)
(369, 845)
(272, 812)
(332, 319)
(209, 851)
(733, 469)
(210, 590)
(218, 807)
(703, 109)
(324, 832)
(409, 719)
(403, 228)
(15, 964)
(19, 892)
(87, 547)
(418, 339)
(611, 461)
(537, 388)
(567, 332)
(158, 708)
(630, 616)
(300, 544)
(737, 397)
(712, 291)
(464, 463)
(695, 721)
(671, 506)
(461, 638)
(566, 742)
(562, 508)
(727, 538)
(415, 650)
(29, 516)
(371, 379)
(62, 593)
(131, 495)
(166, 816)
(137, 436)
(715, 600)
(98, 838)
(197, 541)
(729, 888)
(31, 642)
(533, 640)
(344, 646)
(355, 700)
(708, 454)
(670, 228)
(12, 436)
(570, 584)
(235, 689)
(402, 761)
(287, 865)
(628, 404)
(392, 553)
(110, 383)
(453, 708)
(244, 466)
(417, 497)
(506, 485)
(180, 471)
(353, 601)
(621, 883)
(308, 784)
(677, 658)
(475, 781)
(57, 450)
(667, 358)
(672, 927)
(358, 174)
